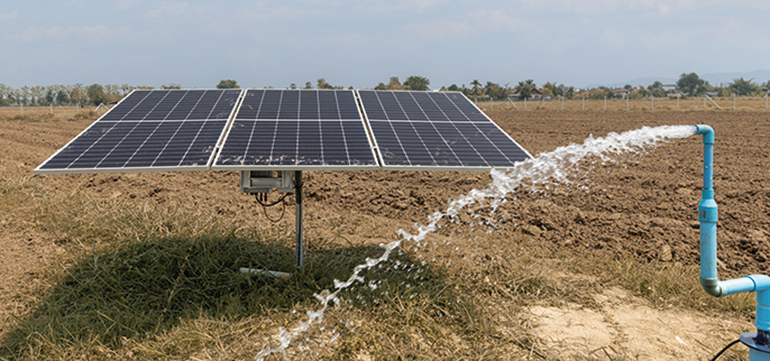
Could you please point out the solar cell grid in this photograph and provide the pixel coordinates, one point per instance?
(436, 130)
(150, 130)
(297, 129)
(298, 105)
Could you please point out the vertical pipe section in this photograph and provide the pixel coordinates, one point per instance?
(707, 215)
(298, 221)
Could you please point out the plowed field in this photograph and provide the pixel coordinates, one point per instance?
(646, 204)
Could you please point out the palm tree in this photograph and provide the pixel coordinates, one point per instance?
(476, 86)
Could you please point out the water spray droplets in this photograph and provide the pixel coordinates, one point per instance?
(542, 174)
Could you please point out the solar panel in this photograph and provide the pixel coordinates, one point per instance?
(297, 130)
(436, 131)
(150, 130)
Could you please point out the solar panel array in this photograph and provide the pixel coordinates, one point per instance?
(436, 131)
(295, 130)
(163, 130)
(150, 130)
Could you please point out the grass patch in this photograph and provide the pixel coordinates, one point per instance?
(148, 281)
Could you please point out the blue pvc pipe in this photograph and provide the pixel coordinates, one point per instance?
(708, 216)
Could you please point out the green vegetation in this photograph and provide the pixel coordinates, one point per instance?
(689, 84)
(147, 281)
(228, 84)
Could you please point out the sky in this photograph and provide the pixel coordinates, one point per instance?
(362, 43)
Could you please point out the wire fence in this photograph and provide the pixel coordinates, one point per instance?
(50, 112)
(700, 103)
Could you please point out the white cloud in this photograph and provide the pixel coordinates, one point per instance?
(90, 33)
(168, 10)
(8, 16)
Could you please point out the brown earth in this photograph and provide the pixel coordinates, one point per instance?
(646, 204)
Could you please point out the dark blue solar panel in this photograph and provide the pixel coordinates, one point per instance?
(299, 104)
(296, 144)
(297, 129)
(150, 130)
(436, 130)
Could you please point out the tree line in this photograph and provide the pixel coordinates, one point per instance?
(688, 84)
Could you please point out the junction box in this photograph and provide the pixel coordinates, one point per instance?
(260, 181)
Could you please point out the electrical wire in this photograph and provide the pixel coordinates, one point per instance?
(725, 349)
(263, 201)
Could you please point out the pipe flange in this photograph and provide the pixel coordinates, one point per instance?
(748, 340)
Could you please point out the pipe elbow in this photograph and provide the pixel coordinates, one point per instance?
(706, 131)
(711, 286)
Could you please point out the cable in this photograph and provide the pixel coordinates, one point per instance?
(262, 200)
(725, 349)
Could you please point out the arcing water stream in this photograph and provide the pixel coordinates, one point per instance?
(557, 167)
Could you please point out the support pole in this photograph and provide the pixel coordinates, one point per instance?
(298, 222)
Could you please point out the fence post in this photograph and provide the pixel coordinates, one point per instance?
(765, 101)
(22, 109)
(584, 103)
(562, 103)
(733, 101)
(525, 103)
(627, 102)
(543, 98)
(51, 106)
(677, 102)
(77, 108)
(605, 102)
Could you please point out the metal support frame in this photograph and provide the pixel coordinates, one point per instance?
(256, 181)
(298, 215)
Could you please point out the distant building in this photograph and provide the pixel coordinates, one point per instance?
(668, 87)
(535, 92)
(712, 94)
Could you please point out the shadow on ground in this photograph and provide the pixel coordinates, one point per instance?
(142, 289)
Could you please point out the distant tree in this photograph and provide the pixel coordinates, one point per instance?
(322, 84)
(293, 86)
(656, 85)
(96, 94)
(476, 88)
(228, 84)
(173, 86)
(743, 87)
(569, 92)
(308, 85)
(453, 88)
(496, 91)
(416, 82)
(381, 86)
(24, 94)
(690, 83)
(553, 89)
(78, 94)
(524, 88)
(4, 90)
